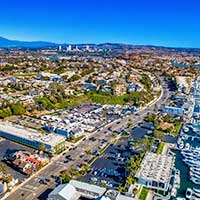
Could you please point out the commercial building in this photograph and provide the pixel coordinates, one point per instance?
(69, 48)
(25, 161)
(76, 190)
(52, 142)
(49, 76)
(174, 110)
(156, 171)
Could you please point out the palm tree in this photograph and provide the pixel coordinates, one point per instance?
(3, 168)
(65, 177)
(42, 147)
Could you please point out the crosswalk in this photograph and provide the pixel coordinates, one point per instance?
(29, 188)
(59, 163)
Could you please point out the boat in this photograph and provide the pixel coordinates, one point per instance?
(194, 175)
(184, 137)
(189, 193)
(195, 180)
(195, 198)
(179, 141)
(191, 162)
(195, 171)
(187, 146)
(177, 172)
(173, 192)
(195, 168)
(181, 145)
(195, 130)
(186, 129)
(192, 156)
(188, 154)
(197, 148)
(196, 192)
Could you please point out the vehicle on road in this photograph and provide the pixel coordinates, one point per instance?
(43, 181)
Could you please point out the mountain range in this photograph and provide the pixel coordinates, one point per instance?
(6, 43)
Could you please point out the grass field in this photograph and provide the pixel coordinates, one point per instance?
(143, 194)
(160, 148)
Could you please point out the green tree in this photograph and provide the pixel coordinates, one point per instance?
(3, 168)
(17, 109)
(8, 178)
(42, 147)
(147, 144)
(74, 172)
(75, 77)
(6, 112)
(168, 118)
(65, 177)
(158, 134)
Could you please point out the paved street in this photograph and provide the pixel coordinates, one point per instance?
(32, 189)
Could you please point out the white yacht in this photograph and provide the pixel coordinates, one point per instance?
(191, 162)
(187, 146)
(195, 175)
(195, 180)
(186, 129)
(194, 171)
(196, 192)
(189, 193)
(181, 145)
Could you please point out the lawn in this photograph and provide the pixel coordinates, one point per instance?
(143, 194)
(160, 148)
(176, 130)
(76, 139)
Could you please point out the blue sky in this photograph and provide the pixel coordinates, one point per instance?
(154, 22)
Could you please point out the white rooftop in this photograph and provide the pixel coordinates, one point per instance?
(76, 189)
(66, 191)
(88, 187)
(156, 167)
(30, 134)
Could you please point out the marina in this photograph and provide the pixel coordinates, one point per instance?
(188, 150)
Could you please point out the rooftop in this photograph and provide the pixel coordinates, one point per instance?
(75, 190)
(30, 134)
(156, 167)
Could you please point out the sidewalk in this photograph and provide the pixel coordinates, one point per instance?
(150, 195)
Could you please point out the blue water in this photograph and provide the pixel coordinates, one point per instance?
(197, 108)
(174, 63)
(184, 169)
(184, 175)
(54, 58)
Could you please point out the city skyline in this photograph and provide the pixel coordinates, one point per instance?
(170, 24)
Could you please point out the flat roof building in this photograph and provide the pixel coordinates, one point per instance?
(156, 171)
(76, 190)
(31, 137)
(174, 110)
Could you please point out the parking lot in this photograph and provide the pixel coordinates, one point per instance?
(7, 147)
(142, 130)
(110, 168)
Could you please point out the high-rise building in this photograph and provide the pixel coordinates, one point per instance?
(77, 49)
(87, 48)
(60, 48)
(69, 48)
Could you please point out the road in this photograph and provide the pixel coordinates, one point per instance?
(32, 189)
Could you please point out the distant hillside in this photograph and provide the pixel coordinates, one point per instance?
(6, 43)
